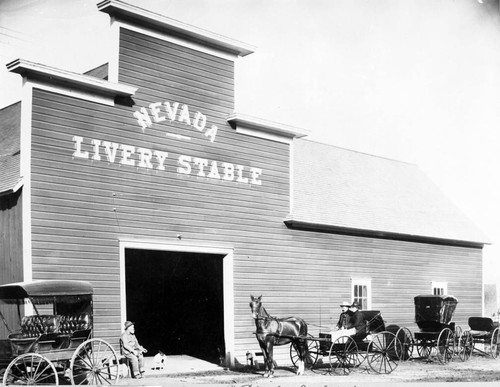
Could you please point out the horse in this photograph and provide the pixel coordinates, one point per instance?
(273, 331)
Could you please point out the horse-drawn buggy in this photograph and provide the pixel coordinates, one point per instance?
(437, 335)
(483, 336)
(375, 345)
(47, 335)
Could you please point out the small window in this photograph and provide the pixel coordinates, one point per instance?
(439, 288)
(361, 292)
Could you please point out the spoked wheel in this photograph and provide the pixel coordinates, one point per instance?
(383, 352)
(465, 345)
(30, 369)
(445, 346)
(495, 343)
(343, 355)
(94, 362)
(312, 353)
(407, 343)
(424, 349)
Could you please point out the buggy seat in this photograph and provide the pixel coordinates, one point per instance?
(45, 332)
(481, 326)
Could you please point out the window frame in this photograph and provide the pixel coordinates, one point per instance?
(362, 282)
(439, 285)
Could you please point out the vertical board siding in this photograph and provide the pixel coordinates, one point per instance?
(11, 248)
(81, 208)
(11, 251)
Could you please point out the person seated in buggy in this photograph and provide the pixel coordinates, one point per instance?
(344, 316)
(356, 325)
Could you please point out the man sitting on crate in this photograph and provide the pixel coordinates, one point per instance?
(132, 350)
(356, 325)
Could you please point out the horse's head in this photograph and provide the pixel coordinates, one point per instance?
(255, 306)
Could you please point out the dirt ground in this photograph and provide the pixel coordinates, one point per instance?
(478, 370)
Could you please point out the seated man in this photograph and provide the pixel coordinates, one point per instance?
(132, 350)
(355, 326)
(344, 316)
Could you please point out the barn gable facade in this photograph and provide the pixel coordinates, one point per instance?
(140, 178)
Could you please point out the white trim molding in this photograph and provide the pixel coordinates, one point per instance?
(202, 248)
(363, 282)
(258, 127)
(439, 285)
(25, 172)
(133, 15)
(70, 83)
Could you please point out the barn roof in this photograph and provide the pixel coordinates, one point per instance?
(10, 155)
(340, 189)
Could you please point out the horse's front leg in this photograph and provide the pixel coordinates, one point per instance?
(269, 360)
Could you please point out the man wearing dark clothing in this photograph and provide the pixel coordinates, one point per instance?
(356, 320)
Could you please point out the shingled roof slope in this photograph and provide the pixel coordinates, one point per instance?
(10, 155)
(342, 188)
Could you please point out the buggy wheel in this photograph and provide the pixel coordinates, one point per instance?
(424, 349)
(445, 345)
(30, 369)
(465, 345)
(94, 362)
(312, 353)
(407, 343)
(495, 343)
(343, 355)
(383, 352)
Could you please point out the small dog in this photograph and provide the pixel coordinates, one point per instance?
(159, 361)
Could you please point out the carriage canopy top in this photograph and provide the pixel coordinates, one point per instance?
(434, 309)
(45, 288)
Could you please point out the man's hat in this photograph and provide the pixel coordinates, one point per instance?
(355, 305)
(345, 303)
(128, 324)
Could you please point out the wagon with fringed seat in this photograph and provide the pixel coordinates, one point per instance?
(483, 336)
(48, 335)
(379, 348)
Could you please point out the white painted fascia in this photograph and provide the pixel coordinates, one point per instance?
(258, 127)
(139, 16)
(202, 247)
(25, 171)
(70, 83)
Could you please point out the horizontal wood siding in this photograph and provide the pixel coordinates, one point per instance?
(82, 207)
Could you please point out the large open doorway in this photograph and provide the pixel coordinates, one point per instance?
(176, 301)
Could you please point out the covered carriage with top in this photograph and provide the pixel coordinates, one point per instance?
(433, 315)
(48, 335)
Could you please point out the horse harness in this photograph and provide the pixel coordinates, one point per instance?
(272, 325)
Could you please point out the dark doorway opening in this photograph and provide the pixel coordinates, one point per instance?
(176, 301)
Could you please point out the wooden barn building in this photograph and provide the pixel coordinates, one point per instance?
(140, 177)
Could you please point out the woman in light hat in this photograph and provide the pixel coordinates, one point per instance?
(344, 316)
(132, 350)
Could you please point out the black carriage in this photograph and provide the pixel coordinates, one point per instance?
(48, 335)
(433, 315)
(378, 347)
(483, 336)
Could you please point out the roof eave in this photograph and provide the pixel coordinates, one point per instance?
(16, 187)
(250, 125)
(121, 10)
(307, 225)
(79, 81)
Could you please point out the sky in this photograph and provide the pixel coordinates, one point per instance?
(411, 80)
